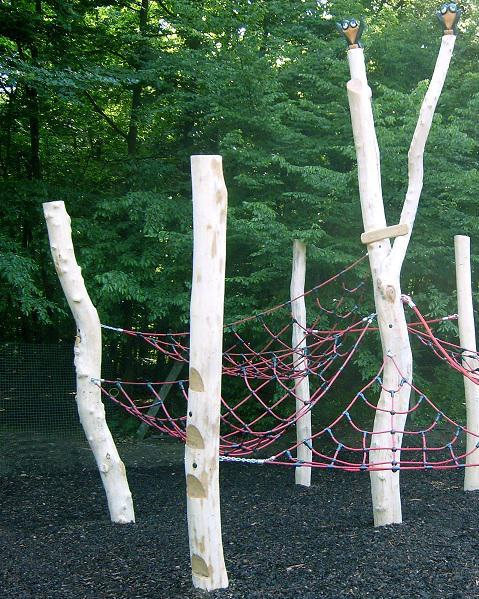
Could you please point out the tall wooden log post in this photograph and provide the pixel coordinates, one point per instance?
(386, 262)
(300, 364)
(204, 396)
(467, 336)
(88, 364)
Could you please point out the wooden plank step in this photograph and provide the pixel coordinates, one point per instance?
(385, 233)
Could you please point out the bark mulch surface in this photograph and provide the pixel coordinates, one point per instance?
(56, 540)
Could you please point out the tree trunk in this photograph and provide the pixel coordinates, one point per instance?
(34, 110)
(390, 312)
(132, 137)
(88, 365)
(467, 337)
(386, 263)
(300, 364)
(136, 98)
(35, 169)
(385, 447)
(204, 395)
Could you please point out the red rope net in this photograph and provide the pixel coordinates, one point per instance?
(264, 415)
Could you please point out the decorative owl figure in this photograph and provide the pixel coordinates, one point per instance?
(352, 30)
(449, 15)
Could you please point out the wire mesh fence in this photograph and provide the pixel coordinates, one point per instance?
(38, 413)
(37, 390)
(40, 429)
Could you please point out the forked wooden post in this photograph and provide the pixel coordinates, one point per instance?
(204, 395)
(88, 364)
(467, 336)
(386, 261)
(387, 294)
(300, 363)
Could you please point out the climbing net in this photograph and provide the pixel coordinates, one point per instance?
(259, 357)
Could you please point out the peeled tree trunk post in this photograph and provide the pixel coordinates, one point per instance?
(467, 339)
(386, 259)
(302, 474)
(204, 394)
(88, 365)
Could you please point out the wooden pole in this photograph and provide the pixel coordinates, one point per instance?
(204, 396)
(385, 492)
(300, 363)
(467, 336)
(163, 394)
(88, 364)
(386, 264)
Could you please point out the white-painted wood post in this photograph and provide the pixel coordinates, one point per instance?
(300, 363)
(467, 336)
(386, 264)
(204, 395)
(88, 364)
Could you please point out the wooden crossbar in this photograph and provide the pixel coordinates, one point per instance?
(385, 233)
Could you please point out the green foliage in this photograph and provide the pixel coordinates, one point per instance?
(19, 287)
(101, 104)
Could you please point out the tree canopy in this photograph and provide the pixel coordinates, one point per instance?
(102, 102)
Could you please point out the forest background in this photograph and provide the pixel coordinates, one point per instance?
(103, 102)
